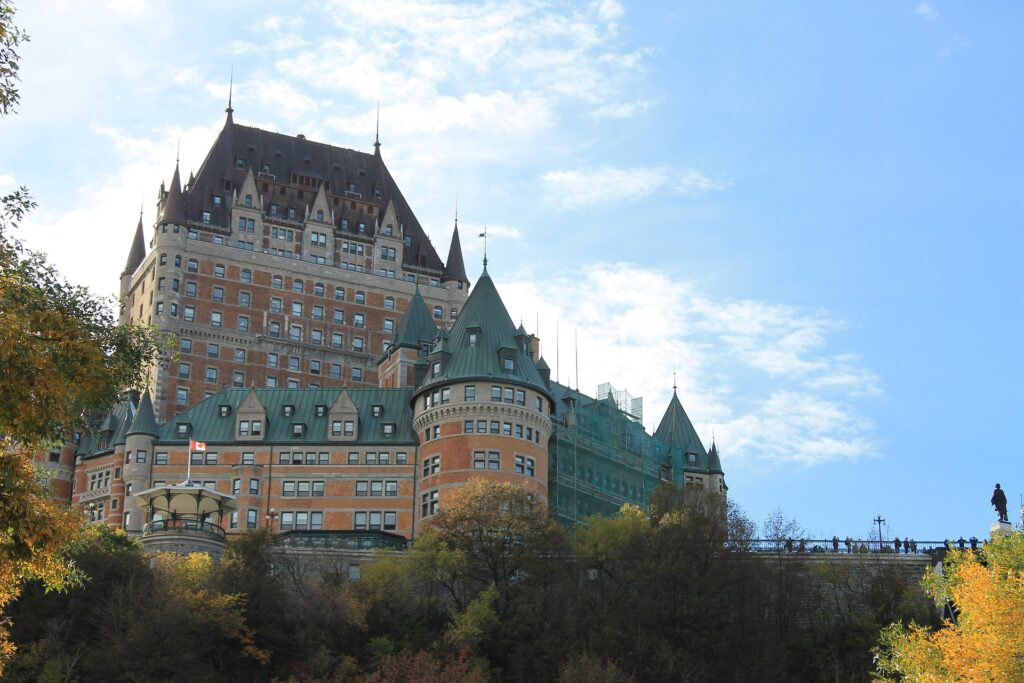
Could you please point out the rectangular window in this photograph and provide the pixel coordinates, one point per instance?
(353, 458)
(140, 456)
(362, 488)
(467, 427)
(160, 458)
(250, 519)
(248, 458)
(215, 318)
(287, 521)
(254, 486)
(391, 488)
(218, 294)
(359, 521)
(496, 394)
(520, 397)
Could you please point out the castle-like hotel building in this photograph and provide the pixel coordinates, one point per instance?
(333, 374)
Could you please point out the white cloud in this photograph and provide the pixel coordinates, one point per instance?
(926, 11)
(620, 110)
(578, 188)
(759, 373)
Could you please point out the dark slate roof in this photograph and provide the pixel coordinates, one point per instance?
(485, 312)
(417, 325)
(138, 251)
(714, 462)
(145, 420)
(174, 211)
(208, 426)
(273, 157)
(677, 431)
(455, 269)
(542, 364)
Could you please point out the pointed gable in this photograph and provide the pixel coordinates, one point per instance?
(343, 418)
(677, 431)
(138, 251)
(174, 205)
(320, 205)
(714, 461)
(454, 268)
(251, 411)
(145, 420)
(249, 190)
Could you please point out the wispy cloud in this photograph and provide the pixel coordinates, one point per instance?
(586, 187)
(762, 374)
(926, 11)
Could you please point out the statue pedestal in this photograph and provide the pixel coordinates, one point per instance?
(1001, 529)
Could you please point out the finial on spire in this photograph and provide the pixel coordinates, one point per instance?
(177, 154)
(456, 211)
(674, 380)
(376, 135)
(484, 235)
(231, 87)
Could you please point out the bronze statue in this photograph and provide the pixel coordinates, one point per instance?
(999, 501)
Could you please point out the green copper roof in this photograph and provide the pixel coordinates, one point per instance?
(208, 425)
(145, 421)
(677, 431)
(485, 316)
(416, 325)
(714, 462)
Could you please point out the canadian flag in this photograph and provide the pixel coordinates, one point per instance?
(197, 445)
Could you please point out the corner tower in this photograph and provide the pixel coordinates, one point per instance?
(482, 410)
(686, 453)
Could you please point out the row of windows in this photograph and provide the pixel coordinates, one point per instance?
(375, 521)
(353, 458)
(302, 488)
(377, 487)
(502, 428)
(499, 394)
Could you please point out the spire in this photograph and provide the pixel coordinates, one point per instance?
(677, 431)
(231, 86)
(174, 205)
(714, 461)
(454, 268)
(138, 250)
(376, 136)
(145, 420)
(484, 235)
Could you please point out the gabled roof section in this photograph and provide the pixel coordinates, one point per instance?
(454, 268)
(174, 211)
(275, 158)
(138, 251)
(484, 315)
(677, 431)
(145, 420)
(417, 325)
(209, 426)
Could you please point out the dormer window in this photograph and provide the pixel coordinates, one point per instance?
(349, 428)
(182, 429)
(378, 410)
(435, 370)
(389, 430)
(216, 200)
(321, 411)
(240, 163)
(224, 410)
(320, 215)
(248, 200)
(298, 429)
(287, 411)
(472, 339)
(206, 217)
(508, 364)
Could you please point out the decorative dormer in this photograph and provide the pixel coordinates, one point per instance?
(343, 419)
(320, 211)
(251, 418)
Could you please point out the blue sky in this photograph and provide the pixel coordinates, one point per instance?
(809, 211)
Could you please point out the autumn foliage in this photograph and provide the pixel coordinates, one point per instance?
(986, 640)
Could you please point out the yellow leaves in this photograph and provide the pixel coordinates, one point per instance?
(987, 641)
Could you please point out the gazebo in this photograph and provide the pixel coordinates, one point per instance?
(180, 518)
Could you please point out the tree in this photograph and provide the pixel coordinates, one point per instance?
(61, 354)
(986, 640)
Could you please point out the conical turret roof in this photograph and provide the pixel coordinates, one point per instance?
(454, 268)
(677, 430)
(145, 420)
(174, 206)
(416, 325)
(138, 251)
(714, 461)
(493, 340)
